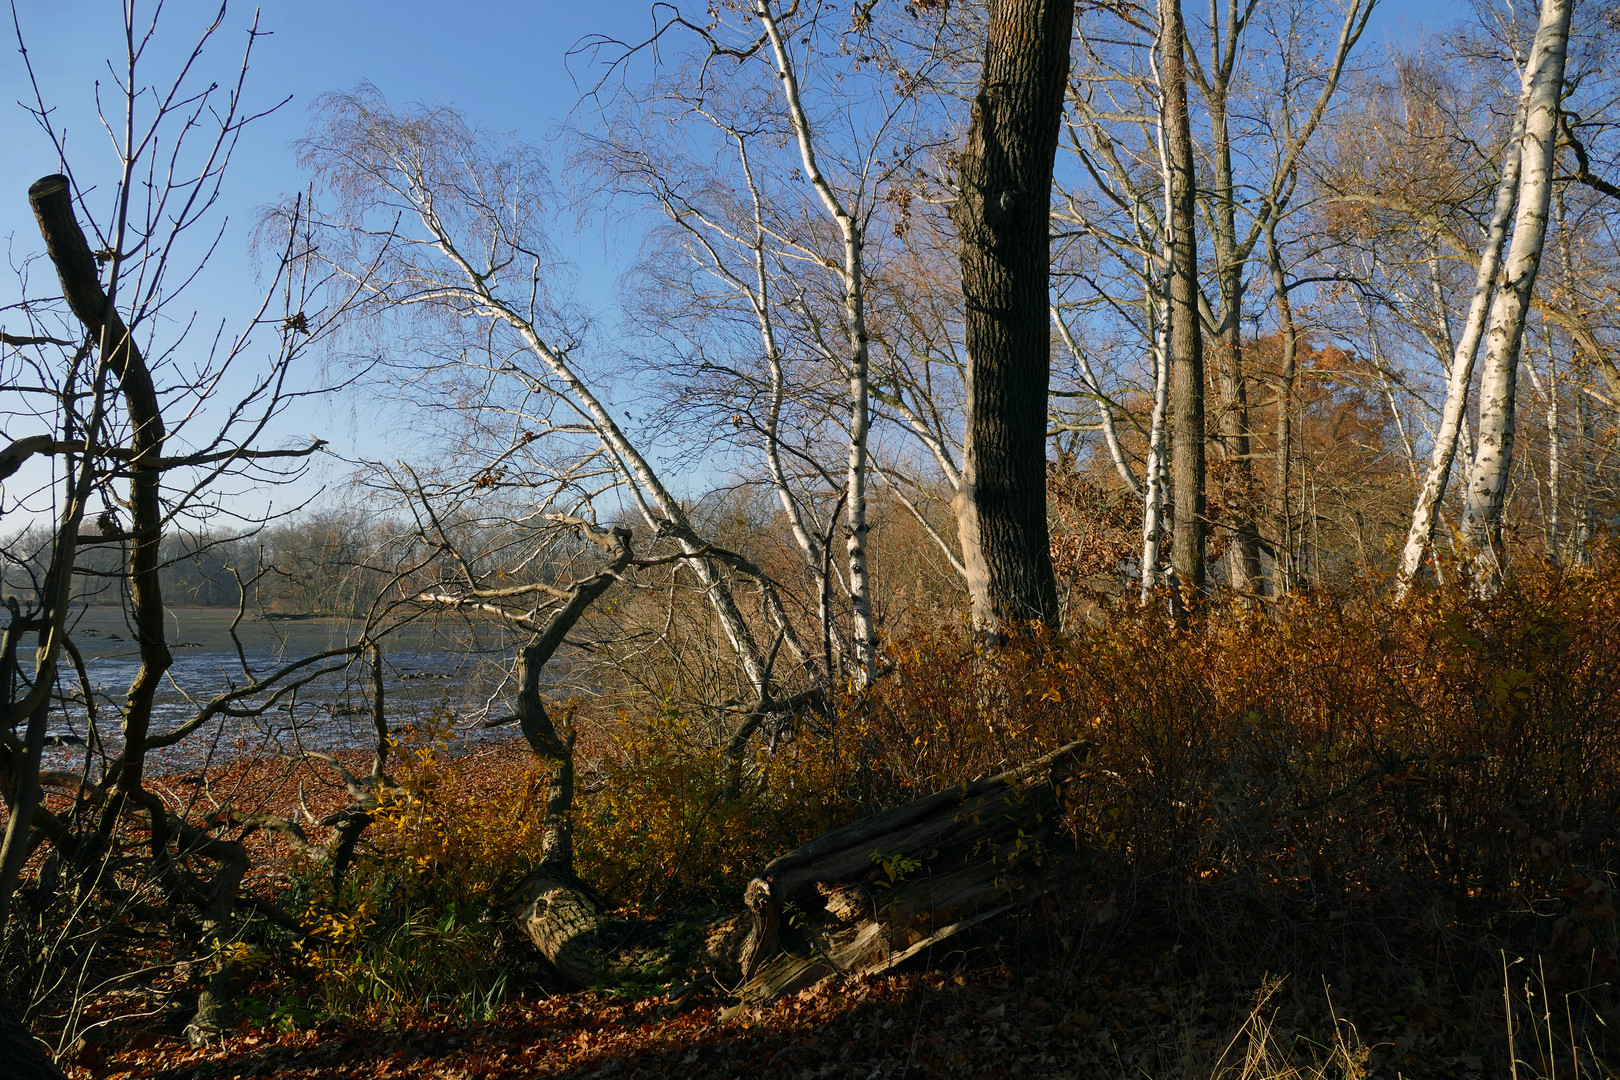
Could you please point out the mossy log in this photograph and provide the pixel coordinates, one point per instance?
(870, 896)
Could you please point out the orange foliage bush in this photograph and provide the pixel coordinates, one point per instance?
(436, 837)
(1331, 745)
(656, 827)
(410, 932)
(1448, 767)
(1454, 756)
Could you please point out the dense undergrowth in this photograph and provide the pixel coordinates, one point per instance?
(1408, 814)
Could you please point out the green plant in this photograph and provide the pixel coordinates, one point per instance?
(895, 867)
(408, 934)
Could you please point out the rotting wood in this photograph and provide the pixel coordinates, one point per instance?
(878, 892)
(566, 922)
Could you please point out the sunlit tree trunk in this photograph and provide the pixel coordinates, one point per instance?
(1186, 352)
(1002, 216)
(1453, 415)
(1233, 424)
(1581, 535)
(1282, 568)
(860, 416)
(76, 268)
(1155, 473)
(1487, 484)
(1157, 301)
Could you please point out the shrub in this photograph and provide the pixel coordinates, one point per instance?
(1435, 785)
(411, 933)
(656, 829)
(1395, 797)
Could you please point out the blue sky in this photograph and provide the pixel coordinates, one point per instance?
(503, 63)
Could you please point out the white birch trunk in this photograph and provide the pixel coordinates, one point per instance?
(1157, 277)
(1454, 414)
(1554, 462)
(1487, 483)
(652, 498)
(860, 588)
(760, 300)
(1105, 408)
(1155, 465)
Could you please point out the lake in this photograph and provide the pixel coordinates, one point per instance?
(452, 666)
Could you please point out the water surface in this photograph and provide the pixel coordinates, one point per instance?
(428, 670)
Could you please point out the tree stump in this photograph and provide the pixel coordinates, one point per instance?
(566, 924)
(872, 895)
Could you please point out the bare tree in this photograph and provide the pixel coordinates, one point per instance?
(1461, 369)
(1290, 129)
(470, 262)
(1487, 484)
(770, 226)
(146, 431)
(1187, 555)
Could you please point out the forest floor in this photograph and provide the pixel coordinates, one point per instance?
(1122, 997)
(1121, 1019)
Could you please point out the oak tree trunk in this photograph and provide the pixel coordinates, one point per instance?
(1188, 542)
(1002, 217)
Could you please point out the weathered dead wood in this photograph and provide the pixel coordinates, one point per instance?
(563, 918)
(875, 893)
(567, 924)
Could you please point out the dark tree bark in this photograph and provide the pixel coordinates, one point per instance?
(1241, 488)
(52, 200)
(1186, 339)
(559, 914)
(1002, 217)
(23, 1057)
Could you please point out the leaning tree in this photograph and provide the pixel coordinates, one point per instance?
(126, 426)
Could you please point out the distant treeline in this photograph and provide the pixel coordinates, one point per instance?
(312, 565)
(328, 563)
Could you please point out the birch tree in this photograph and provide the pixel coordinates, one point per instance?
(1114, 131)
(1461, 369)
(127, 426)
(1487, 483)
(451, 219)
(734, 146)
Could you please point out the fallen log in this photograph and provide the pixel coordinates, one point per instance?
(567, 924)
(870, 896)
